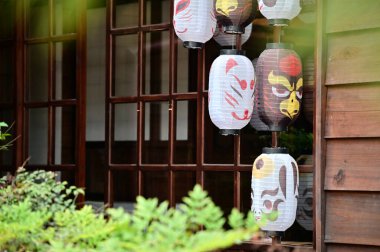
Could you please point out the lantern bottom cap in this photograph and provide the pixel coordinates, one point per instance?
(193, 44)
(279, 22)
(274, 233)
(226, 132)
(233, 29)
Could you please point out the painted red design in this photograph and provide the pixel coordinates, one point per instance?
(291, 65)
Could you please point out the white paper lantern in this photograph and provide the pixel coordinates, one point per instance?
(228, 39)
(275, 189)
(305, 201)
(194, 21)
(279, 12)
(231, 89)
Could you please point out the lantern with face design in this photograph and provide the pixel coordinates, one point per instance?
(275, 189)
(231, 87)
(280, 83)
(304, 215)
(279, 12)
(194, 21)
(225, 39)
(234, 15)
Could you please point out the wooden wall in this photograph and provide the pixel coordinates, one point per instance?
(350, 115)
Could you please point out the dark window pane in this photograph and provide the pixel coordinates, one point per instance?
(155, 185)
(251, 144)
(6, 74)
(125, 189)
(187, 74)
(183, 183)
(125, 134)
(38, 136)
(37, 22)
(245, 191)
(218, 149)
(65, 70)
(155, 146)
(65, 135)
(220, 186)
(65, 16)
(126, 13)
(157, 11)
(95, 171)
(68, 176)
(37, 72)
(185, 147)
(126, 65)
(7, 18)
(157, 63)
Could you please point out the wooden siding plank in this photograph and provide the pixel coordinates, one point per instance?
(353, 218)
(351, 248)
(352, 124)
(352, 57)
(353, 165)
(347, 15)
(357, 97)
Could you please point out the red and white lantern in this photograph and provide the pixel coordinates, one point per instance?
(231, 91)
(227, 39)
(194, 22)
(274, 192)
(279, 12)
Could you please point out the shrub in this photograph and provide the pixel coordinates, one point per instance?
(37, 214)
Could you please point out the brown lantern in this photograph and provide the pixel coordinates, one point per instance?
(279, 77)
(235, 15)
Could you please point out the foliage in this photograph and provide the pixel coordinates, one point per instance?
(37, 214)
(4, 145)
(297, 141)
(40, 188)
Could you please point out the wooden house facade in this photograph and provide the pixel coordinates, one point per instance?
(103, 93)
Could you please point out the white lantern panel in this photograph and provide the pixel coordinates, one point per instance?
(231, 91)
(275, 190)
(279, 12)
(305, 201)
(194, 21)
(229, 39)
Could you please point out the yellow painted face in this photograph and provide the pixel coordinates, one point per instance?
(225, 7)
(281, 87)
(262, 167)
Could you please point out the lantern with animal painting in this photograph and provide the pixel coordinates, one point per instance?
(226, 39)
(275, 189)
(304, 215)
(279, 12)
(235, 15)
(194, 21)
(231, 89)
(280, 84)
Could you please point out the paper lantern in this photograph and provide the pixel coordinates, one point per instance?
(235, 15)
(194, 22)
(280, 84)
(275, 189)
(279, 12)
(226, 39)
(304, 215)
(231, 89)
(256, 121)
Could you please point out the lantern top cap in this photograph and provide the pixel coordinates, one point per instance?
(232, 52)
(276, 150)
(279, 46)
